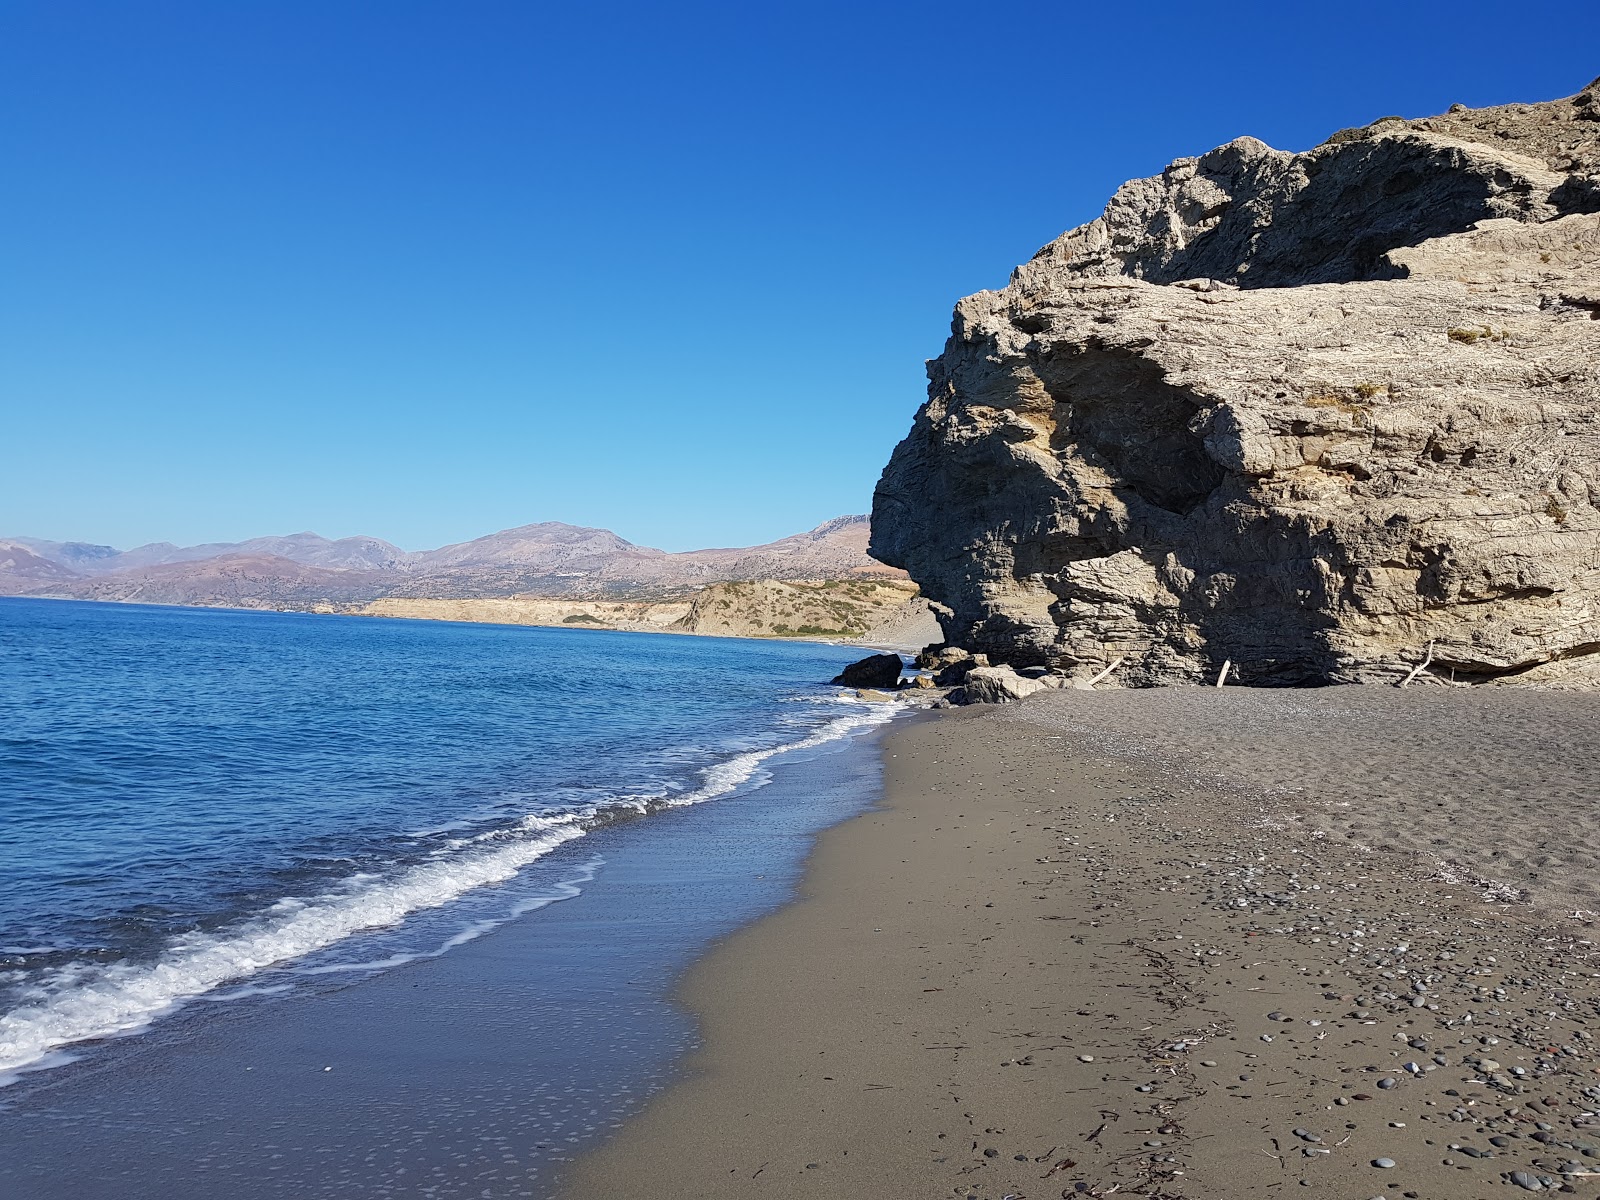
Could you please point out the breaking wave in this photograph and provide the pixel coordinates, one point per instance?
(84, 1001)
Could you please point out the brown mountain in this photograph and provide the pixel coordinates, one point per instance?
(23, 570)
(300, 570)
(240, 580)
(355, 553)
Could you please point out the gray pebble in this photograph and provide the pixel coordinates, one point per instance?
(1386, 1084)
(1523, 1180)
(1383, 1163)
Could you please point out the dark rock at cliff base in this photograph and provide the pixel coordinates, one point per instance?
(954, 667)
(878, 671)
(1304, 413)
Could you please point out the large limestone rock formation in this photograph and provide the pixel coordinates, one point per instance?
(1305, 412)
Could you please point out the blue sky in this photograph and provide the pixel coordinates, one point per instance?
(427, 270)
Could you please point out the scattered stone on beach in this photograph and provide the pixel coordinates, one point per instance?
(875, 671)
(874, 696)
(1383, 1163)
(995, 685)
(1103, 827)
(952, 665)
(938, 655)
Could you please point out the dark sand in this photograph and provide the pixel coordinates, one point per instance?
(1186, 943)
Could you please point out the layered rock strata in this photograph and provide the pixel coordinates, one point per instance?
(1304, 413)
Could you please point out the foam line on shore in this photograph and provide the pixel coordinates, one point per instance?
(83, 1002)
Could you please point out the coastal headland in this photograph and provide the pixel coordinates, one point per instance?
(1313, 415)
(1285, 420)
(1177, 942)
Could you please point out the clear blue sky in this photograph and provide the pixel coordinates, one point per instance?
(427, 270)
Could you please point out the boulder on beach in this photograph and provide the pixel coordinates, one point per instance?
(953, 666)
(996, 685)
(877, 671)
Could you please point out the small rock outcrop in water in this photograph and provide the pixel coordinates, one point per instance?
(876, 671)
(1305, 412)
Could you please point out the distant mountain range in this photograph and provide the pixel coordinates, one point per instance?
(304, 570)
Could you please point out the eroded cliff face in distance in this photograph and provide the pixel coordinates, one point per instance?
(1304, 412)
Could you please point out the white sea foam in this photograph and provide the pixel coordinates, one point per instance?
(88, 1001)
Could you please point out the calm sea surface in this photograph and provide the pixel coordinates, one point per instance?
(207, 803)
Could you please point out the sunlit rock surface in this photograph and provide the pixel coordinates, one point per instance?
(1304, 412)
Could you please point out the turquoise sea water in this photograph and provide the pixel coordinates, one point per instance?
(206, 803)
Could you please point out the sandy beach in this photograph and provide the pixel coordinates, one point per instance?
(1168, 943)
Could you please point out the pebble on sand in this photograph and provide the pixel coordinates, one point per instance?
(1383, 1163)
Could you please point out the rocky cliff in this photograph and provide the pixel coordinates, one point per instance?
(869, 610)
(1305, 412)
(835, 608)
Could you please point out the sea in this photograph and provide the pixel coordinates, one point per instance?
(265, 815)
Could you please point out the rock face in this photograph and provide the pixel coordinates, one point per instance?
(835, 609)
(1304, 412)
(838, 608)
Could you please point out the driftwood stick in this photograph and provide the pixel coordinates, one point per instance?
(1115, 663)
(1420, 667)
(1222, 675)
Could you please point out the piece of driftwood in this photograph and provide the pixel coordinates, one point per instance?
(1420, 667)
(1115, 663)
(1222, 675)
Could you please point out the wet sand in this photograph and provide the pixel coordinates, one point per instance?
(476, 1073)
(1189, 943)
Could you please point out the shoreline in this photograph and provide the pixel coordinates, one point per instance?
(905, 648)
(1187, 943)
(481, 1068)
